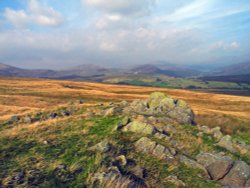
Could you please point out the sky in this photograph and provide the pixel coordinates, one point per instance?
(61, 33)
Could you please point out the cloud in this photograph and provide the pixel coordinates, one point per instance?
(221, 45)
(35, 13)
(122, 7)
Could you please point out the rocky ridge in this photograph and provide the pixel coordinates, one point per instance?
(154, 135)
(155, 119)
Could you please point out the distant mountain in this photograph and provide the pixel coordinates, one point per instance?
(7, 70)
(235, 69)
(165, 69)
(146, 69)
(80, 72)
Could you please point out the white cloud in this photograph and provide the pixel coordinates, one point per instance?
(224, 46)
(123, 7)
(36, 13)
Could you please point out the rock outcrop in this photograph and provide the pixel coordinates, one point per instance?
(159, 104)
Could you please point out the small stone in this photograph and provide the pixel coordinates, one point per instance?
(216, 132)
(103, 146)
(27, 119)
(205, 129)
(45, 142)
(175, 181)
(226, 142)
(241, 146)
(122, 160)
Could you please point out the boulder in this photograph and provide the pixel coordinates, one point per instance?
(238, 175)
(147, 146)
(219, 169)
(159, 104)
(139, 127)
(226, 143)
(207, 159)
(114, 179)
(241, 146)
(174, 180)
(102, 147)
(27, 120)
(216, 132)
(155, 99)
(192, 164)
(167, 104)
(162, 136)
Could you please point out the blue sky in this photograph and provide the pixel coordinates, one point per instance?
(62, 33)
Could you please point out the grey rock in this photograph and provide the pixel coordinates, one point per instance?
(238, 175)
(192, 164)
(226, 143)
(205, 129)
(147, 146)
(216, 132)
(241, 146)
(122, 160)
(139, 127)
(114, 179)
(162, 136)
(103, 146)
(27, 120)
(175, 181)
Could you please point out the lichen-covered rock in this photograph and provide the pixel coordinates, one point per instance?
(182, 104)
(112, 111)
(175, 181)
(226, 143)
(159, 104)
(155, 99)
(217, 165)
(238, 175)
(139, 127)
(219, 169)
(161, 136)
(216, 132)
(112, 178)
(241, 146)
(103, 146)
(192, 164)
(147, 146)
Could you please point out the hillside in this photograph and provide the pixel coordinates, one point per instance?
(79, 134)
(235, 69)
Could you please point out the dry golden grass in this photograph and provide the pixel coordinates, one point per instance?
(20, 96)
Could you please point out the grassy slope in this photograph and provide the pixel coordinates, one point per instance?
(23, 148)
